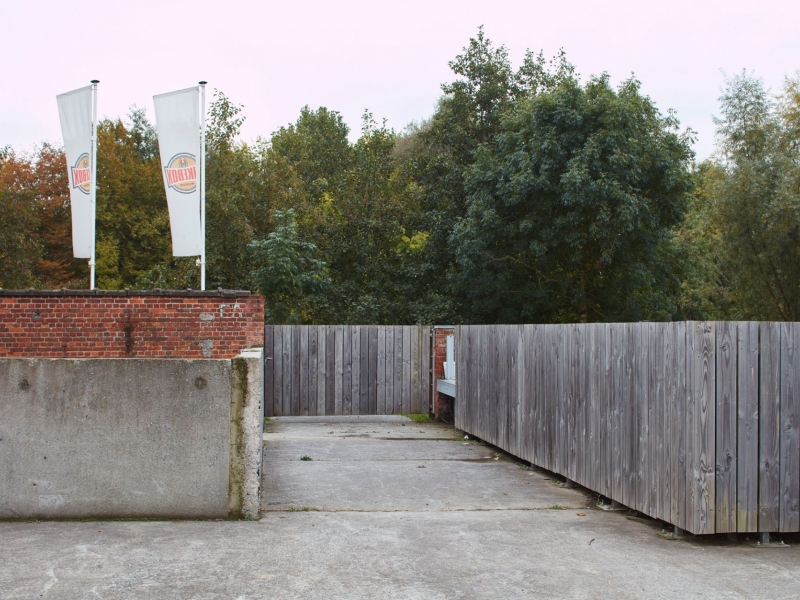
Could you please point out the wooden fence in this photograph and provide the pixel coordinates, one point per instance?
(347, 370)
(694, 423)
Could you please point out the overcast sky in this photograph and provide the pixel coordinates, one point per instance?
(389, 57)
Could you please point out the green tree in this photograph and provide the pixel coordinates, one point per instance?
(754, 200)
(132, 219)
(19, 249)
(570, 211)
(287, 272)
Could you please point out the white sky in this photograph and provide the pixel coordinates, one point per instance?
(389, 57)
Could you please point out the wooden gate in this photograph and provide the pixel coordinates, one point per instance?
(347, 370)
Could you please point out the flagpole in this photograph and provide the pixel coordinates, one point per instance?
(203, 185)
(93, 194)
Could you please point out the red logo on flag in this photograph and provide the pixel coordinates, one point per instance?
(82, 174)
(181, 173)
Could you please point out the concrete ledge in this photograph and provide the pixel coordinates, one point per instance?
(246, 429)
(446, 386)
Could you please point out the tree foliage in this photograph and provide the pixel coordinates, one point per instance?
(570, 212)
(529, 195)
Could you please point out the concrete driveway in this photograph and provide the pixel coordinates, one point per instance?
(387, 508)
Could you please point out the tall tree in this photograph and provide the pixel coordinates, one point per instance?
(753, 199)
(570, 211)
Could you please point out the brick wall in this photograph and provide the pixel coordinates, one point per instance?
(99, 324)
(441, 402)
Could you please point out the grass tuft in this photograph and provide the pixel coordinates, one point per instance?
(419, 418)
(306, 457)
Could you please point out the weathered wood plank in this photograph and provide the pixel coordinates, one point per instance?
(381, 372)
(702, 432)
(397, 371)
(726, 455)
(355, 370)
(363, 388)
(405, 381)
(606, 416)
(277, 370)
(747, 428)
(516, 434)
(655, 419)
(288, 370)
(426, 375)
(790, 421)
(414, 397)
(390, 345)
(347, 370)
(340, 369)
(666, 399)
(330, 370)
(682, 395)
(304, 368)
(769, 425)
(630, 429)
(269, 371)
(618, 337)
(322, 367)
(296, 369)
(642, 459)
(313, 355)
(372, 366)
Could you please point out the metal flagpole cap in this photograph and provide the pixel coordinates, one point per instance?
(95, 81)
(202, 82)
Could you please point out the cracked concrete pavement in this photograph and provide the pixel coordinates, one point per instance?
(387, 508)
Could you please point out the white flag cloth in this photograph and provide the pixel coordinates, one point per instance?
(75, 111)
(178, 124)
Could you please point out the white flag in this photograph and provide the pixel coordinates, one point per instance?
(75, 111)
(178, 124)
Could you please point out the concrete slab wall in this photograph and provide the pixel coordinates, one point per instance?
(246, 430)
(115, 438)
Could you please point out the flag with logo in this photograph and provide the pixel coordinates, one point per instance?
(75, 112)
(178, 125)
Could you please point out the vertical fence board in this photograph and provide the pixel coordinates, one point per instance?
(702, 432)
(372, 377)
(390, 370)
(397, 372)
(618, 387)
(769, 424)
(747, 428)
(679, 481)
(296, 369)
(630, 429)
(355, 371)
(330, 370)
(286, 404)
(340, 369)
(606, 416)
(369, 340)
(381, 383)
(642, 435)
(667, 368)
(405, 381)
(269, 371)
(790, 441)
(313, 355)
(304, 367)
(655, 419)
(726, 395)
(277, 370)
(322, 368)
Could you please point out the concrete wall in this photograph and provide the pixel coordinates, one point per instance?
(112, 438)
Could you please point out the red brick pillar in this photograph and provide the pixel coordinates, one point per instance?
(442, 403)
